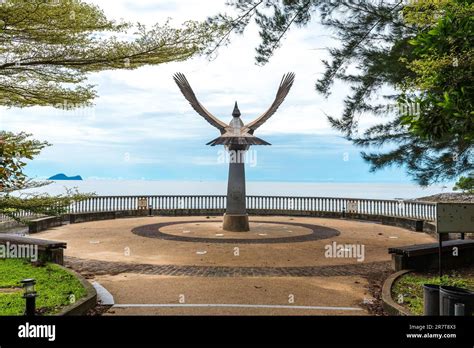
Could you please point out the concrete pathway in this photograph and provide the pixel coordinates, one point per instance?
(188, 266)
(137, 294)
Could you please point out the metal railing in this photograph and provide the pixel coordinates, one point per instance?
(397, 208)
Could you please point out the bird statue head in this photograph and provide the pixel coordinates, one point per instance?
(236, 123)
(236, 112)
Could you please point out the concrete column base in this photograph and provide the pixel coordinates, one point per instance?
(236, 223)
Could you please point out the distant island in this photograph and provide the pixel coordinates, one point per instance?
(65, 177)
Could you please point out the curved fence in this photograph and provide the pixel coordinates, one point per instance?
(398, 208)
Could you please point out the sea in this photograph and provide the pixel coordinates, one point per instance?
(298, 189)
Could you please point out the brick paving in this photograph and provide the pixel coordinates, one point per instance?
(96, 267)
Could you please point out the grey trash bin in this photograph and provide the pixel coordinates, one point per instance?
(431, 299)
(450, 295)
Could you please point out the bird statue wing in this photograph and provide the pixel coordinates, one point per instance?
(285, 86)
(188, 93)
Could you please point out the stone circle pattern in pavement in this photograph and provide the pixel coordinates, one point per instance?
(318, 233)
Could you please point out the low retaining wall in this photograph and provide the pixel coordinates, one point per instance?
(75, 218)
(33, 226)
(190, 212)
(388, 304)
(83, 305)
(8, 226)
(43, 224)
(410, 224)
(105, 215)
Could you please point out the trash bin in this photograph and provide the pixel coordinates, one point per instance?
(431, 299)
(450, 295)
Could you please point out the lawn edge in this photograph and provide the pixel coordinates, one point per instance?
(83, 305)
(389, 305)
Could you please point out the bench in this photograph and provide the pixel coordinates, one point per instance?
(49, 251)
(425, 256)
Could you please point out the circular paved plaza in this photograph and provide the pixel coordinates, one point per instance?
(188, 265)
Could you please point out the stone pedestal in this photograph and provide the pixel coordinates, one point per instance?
(236, 218)
(236, 223)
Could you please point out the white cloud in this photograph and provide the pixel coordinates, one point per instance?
(145, 105)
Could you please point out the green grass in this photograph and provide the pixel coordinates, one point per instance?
(410, 286)
(54, 286)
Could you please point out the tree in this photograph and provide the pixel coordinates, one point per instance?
(48, 47)
(15, 150)
(443, 59)
(428, 131)
(465, 184)
(47, 50)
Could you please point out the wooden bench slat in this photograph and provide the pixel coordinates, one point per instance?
(48, 244)
(423, 249)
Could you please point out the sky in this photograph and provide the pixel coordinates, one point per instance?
(141, 127)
